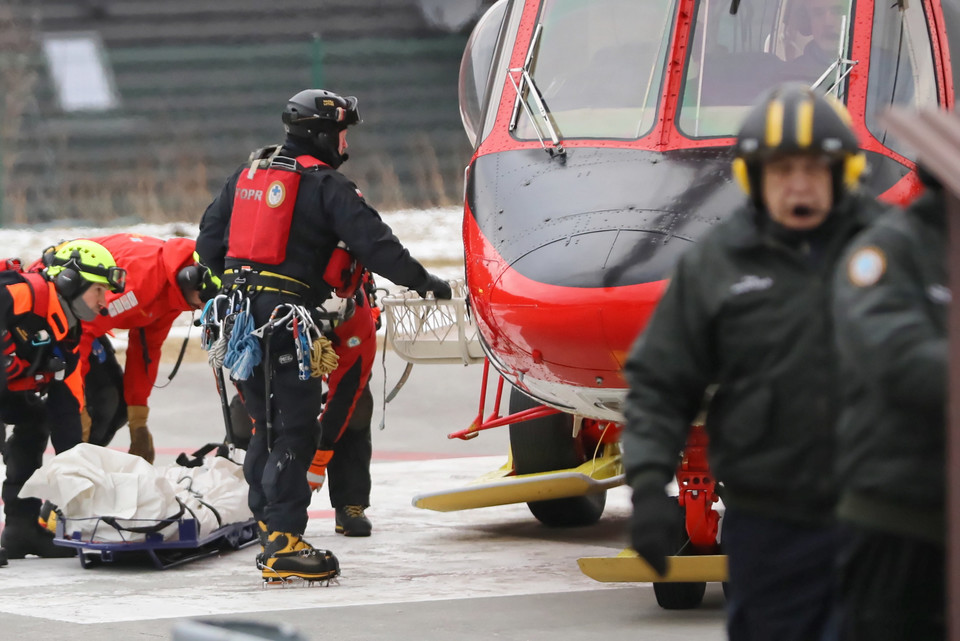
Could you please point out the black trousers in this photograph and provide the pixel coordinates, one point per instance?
(103, 391)
(278, 457)
(35, 420)
(781, 578)
(891, 587)
(348, 473)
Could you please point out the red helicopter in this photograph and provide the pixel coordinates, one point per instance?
(602, 134)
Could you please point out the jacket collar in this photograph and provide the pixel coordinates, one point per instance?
(299, 147)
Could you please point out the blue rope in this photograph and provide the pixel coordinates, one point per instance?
(243, 349)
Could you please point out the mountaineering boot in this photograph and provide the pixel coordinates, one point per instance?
(317, 474)
(351, 521)
(48, 517)
(23, 536)
(288, 556)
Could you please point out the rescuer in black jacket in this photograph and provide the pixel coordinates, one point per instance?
(891, 312)
(272, 232)
(747, 311)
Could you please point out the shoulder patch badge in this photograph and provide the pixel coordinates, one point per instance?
(276, 193)
(866, 266)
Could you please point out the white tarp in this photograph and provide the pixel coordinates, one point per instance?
(87, 482)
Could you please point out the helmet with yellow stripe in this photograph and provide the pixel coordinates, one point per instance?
(794, 119)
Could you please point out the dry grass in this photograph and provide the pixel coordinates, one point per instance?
(167, 189)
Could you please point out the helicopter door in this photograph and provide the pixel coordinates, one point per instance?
(901, 67)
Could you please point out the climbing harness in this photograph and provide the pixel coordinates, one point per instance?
(231, 340)
(315, 354)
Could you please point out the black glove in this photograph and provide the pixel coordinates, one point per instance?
(439, 287)
(654, 526)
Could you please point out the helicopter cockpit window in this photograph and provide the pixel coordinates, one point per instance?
(901, 67)
(733, 59)
(475, 68)
(599, 67)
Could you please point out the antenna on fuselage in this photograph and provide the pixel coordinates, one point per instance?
(734, 6)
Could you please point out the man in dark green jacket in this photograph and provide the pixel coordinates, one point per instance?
(747, 311)
(890, 308)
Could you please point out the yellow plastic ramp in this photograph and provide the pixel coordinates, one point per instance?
(627, 567)
(501, 488)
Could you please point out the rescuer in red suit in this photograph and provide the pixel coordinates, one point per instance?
(345, 446)
(163, 280)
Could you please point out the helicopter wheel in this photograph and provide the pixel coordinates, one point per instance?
(680, 596)
(547, 444)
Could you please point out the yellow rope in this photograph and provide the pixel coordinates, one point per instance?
(323, 359)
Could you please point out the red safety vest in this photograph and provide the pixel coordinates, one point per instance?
(263, 203)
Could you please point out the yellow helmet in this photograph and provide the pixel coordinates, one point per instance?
(75, 264)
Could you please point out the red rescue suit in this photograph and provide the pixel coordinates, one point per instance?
(356, 345)
(148, 306)
(345, 445)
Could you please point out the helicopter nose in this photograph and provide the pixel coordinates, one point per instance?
(603, 258)
(577, 305)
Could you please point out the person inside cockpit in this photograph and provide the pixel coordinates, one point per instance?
(825, 20)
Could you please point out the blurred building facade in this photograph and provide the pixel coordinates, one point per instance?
(117, 110)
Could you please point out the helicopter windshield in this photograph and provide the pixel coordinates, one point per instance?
(599, 67)
(735, 58)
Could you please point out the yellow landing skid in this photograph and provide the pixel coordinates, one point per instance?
(501, 487)
(630, 568)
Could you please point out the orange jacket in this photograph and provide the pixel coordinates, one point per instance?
(148, 306)
(33, 332)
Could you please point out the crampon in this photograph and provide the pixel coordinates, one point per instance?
(289, 560)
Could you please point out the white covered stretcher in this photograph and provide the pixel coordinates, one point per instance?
(111, 502)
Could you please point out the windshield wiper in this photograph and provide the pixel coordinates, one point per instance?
(522, 81)
(842, 66)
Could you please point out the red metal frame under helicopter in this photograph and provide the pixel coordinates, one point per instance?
(602, 133)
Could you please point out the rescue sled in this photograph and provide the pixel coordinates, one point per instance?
(162, 553)
(111, 506)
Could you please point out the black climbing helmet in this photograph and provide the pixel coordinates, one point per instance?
(318, 111)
